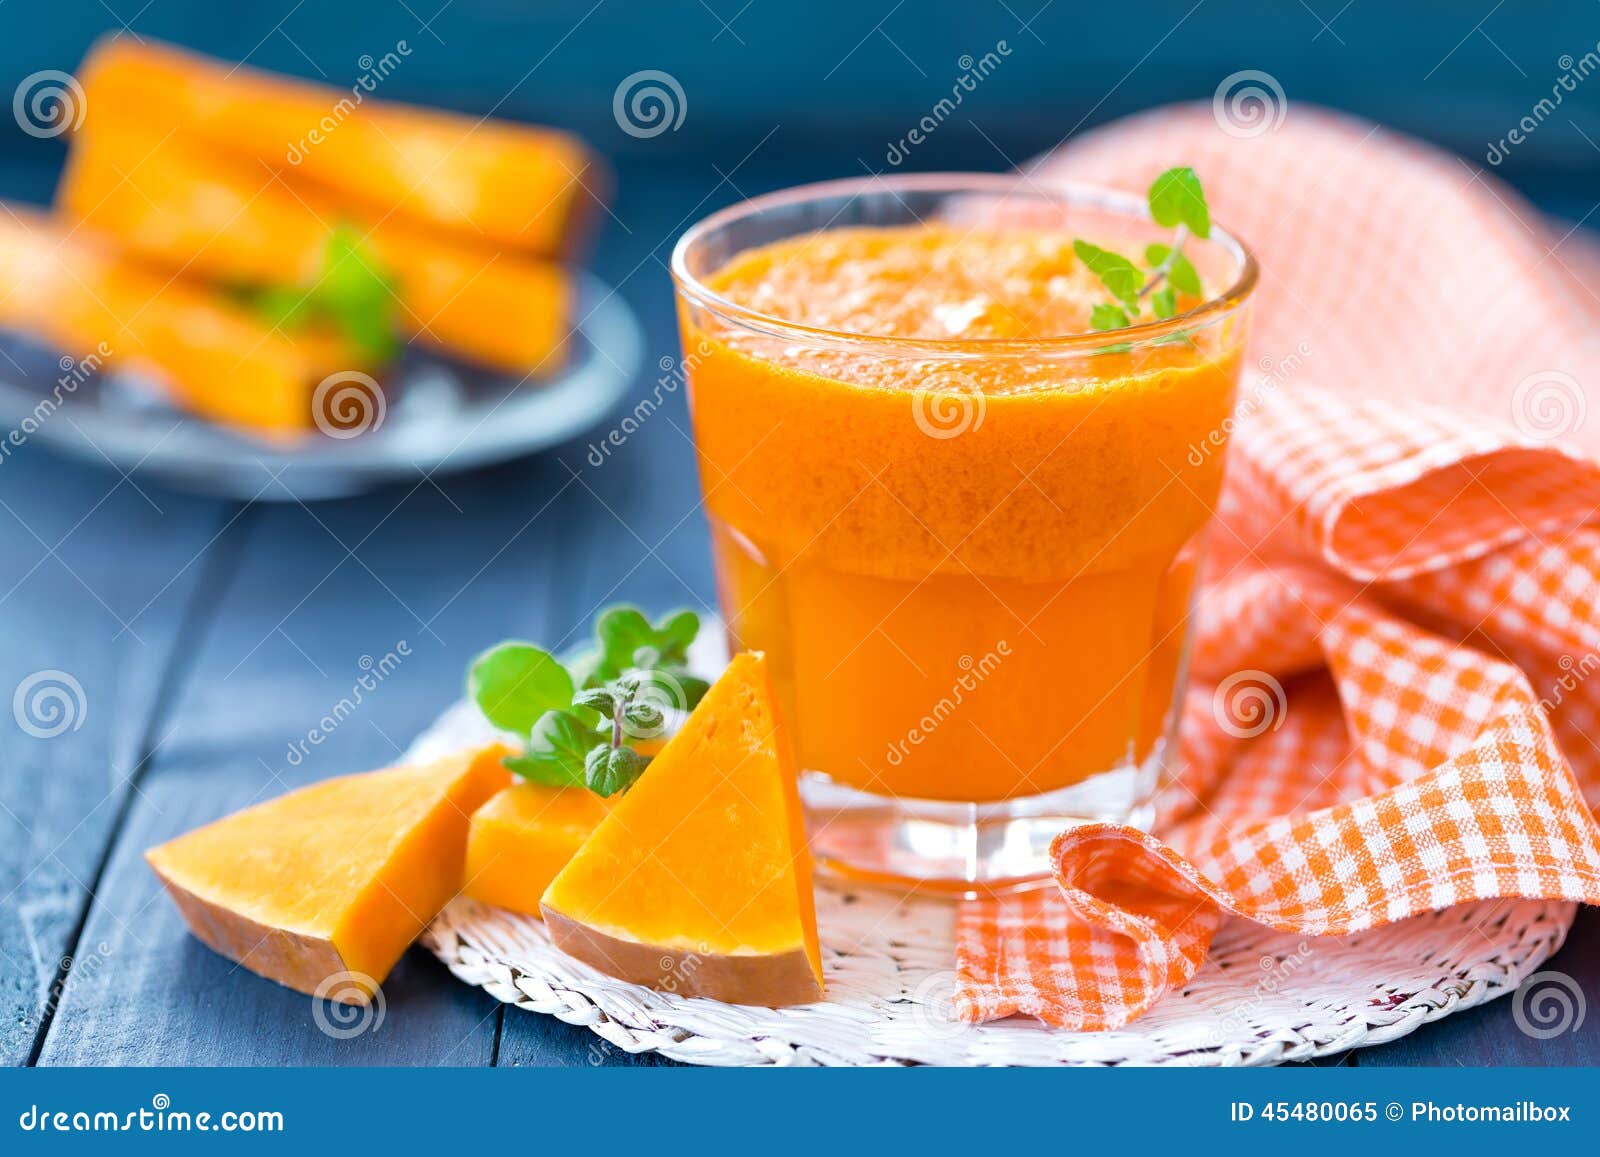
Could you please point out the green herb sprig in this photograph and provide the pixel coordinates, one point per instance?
(579, 721)
(353, 295)
(1176, 201)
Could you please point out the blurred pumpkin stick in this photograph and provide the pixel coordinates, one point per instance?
(213, 358)
(515, 185)
(234, 221)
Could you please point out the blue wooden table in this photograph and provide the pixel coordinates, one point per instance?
(208, 637)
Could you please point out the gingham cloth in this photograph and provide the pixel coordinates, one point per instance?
(1397, 657)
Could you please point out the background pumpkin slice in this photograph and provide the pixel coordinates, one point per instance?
(335, 878)
(167, 200)
(699, 880)
(522, 837)
(519, 185)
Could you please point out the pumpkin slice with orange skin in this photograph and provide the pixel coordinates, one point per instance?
(699, 880)
(525, 834)
(523, 837)
(326, 887)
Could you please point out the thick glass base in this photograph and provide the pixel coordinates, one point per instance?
(965, 847)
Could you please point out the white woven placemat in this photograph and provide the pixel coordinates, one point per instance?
(1262, 997)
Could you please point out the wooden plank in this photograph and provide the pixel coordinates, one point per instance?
(1490, 1034)
(94, 584)
(427, 575)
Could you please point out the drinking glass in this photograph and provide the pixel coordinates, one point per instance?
(970, 562)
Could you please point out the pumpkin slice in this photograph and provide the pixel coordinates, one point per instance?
(522, 837)
(333, 880)
(699, 880)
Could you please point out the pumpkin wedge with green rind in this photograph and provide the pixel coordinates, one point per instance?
(699, 881)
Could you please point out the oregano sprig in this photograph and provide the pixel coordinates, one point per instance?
(353, 294)
(579, 720)
(1176, 201)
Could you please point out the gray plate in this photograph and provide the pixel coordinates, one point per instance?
(439, 417)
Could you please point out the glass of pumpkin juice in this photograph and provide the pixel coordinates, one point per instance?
(964, 526)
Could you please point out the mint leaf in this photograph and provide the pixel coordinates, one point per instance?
(644, 716)
(1116, 272)
(352, 294)
(1177, 199)
(674, 633)
(608, 770)
(556, 751)
(622, 631)
(515, 683)
(628, 640)
(1180, 272)
(597, 699)
(357, 295)
(694, 689)
(1164, 302)
(1107, 316)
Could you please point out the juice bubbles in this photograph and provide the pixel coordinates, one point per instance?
(965, 533)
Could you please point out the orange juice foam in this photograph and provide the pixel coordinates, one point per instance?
(970, 563)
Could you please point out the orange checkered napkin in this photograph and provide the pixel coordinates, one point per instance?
(1396, 699)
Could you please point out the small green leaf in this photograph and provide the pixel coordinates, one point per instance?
(1108, 316)
(515, 683)
(674, 633)
(694, 689)
(556, 751)
(1176, 198)
(282, 306)
(1181, 273)
(597, 699)
(1116, 272)
(358, 295)
(353, 293)
(1164, 301)
(621, 632)
(608, 770)
(628, 640)
(644, 716)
